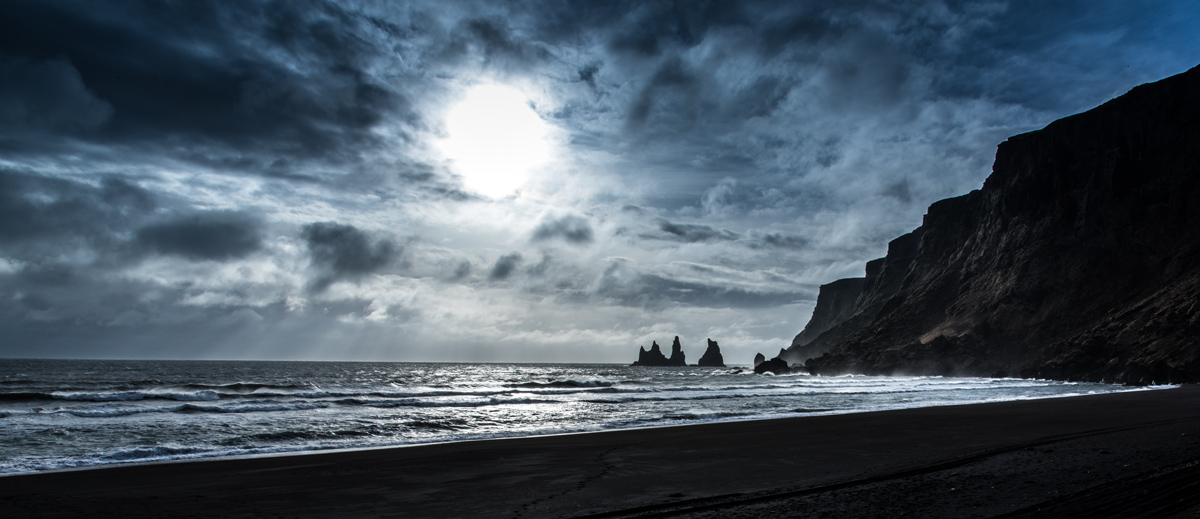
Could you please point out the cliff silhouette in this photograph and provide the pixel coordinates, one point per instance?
(1079, 259)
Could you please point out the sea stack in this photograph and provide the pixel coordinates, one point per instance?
(677, 358)
(654, 357)
(759, 358)
(776, 366)
(712, 356)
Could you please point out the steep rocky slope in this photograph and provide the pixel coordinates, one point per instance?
(1078, 259)
(847, 305)
(836, 302)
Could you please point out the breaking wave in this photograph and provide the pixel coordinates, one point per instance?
(59, 414)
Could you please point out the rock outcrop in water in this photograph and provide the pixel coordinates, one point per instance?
(775, 366)
(1079, 259)
(677, 357)
(655, 356)
(759, 359)
(712, 356)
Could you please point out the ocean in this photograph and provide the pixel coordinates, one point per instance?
(58, 414)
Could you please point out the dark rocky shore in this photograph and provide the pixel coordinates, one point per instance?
(1079, 259)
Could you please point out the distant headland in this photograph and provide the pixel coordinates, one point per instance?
(654, 357)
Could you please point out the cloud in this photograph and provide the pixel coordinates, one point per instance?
(570, 228)
(505, 266)
(207, 236)
(587, 74)
(626, 283)
(162, 165)
(228, 78)
(342, 252)
(461, 271)
(780, 240)
(691, 233)
(492, 39)
(43, 216)
(672, 92)
(47, 95)
(659, 27)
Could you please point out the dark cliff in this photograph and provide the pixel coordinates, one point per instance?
(835, 303)
(712, 356)
(841, 316)
(1078, 259)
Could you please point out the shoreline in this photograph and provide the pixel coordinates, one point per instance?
(336, 450)
(725, 468)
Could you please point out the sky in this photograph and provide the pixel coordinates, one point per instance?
(496, 181)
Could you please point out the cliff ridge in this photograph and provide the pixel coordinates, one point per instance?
(1078, 259)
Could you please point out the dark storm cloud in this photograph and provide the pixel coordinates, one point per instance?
(42, 216)
(748, 144)
(753, 239)
(694, 293)
(343, 252)
(206, 236)
(674, 90)
(842, 48)
(285, 78)
(587, 74)
(624, 284)
(47, 95)
(807, 25)
(691, 233)
(866, 71)
(761, 97)
(571, 228)
(900, 191)
(758, 240)
(492, 39)
(45, 217)
(652, 28)
(461, 271)
(1069, 55)
(505, 266)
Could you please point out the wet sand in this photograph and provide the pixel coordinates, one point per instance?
(1117, 455)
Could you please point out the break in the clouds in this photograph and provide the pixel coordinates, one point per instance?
(557, 181)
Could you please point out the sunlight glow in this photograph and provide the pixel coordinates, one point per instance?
(495, 140)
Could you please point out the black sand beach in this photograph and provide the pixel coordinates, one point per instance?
(1119, 455)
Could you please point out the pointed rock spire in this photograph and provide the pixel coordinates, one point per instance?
(712, 356)
(677, 358)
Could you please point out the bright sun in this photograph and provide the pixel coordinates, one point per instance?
(495, 140)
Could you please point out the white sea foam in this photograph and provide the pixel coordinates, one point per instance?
(182, 410)
(125, 396)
